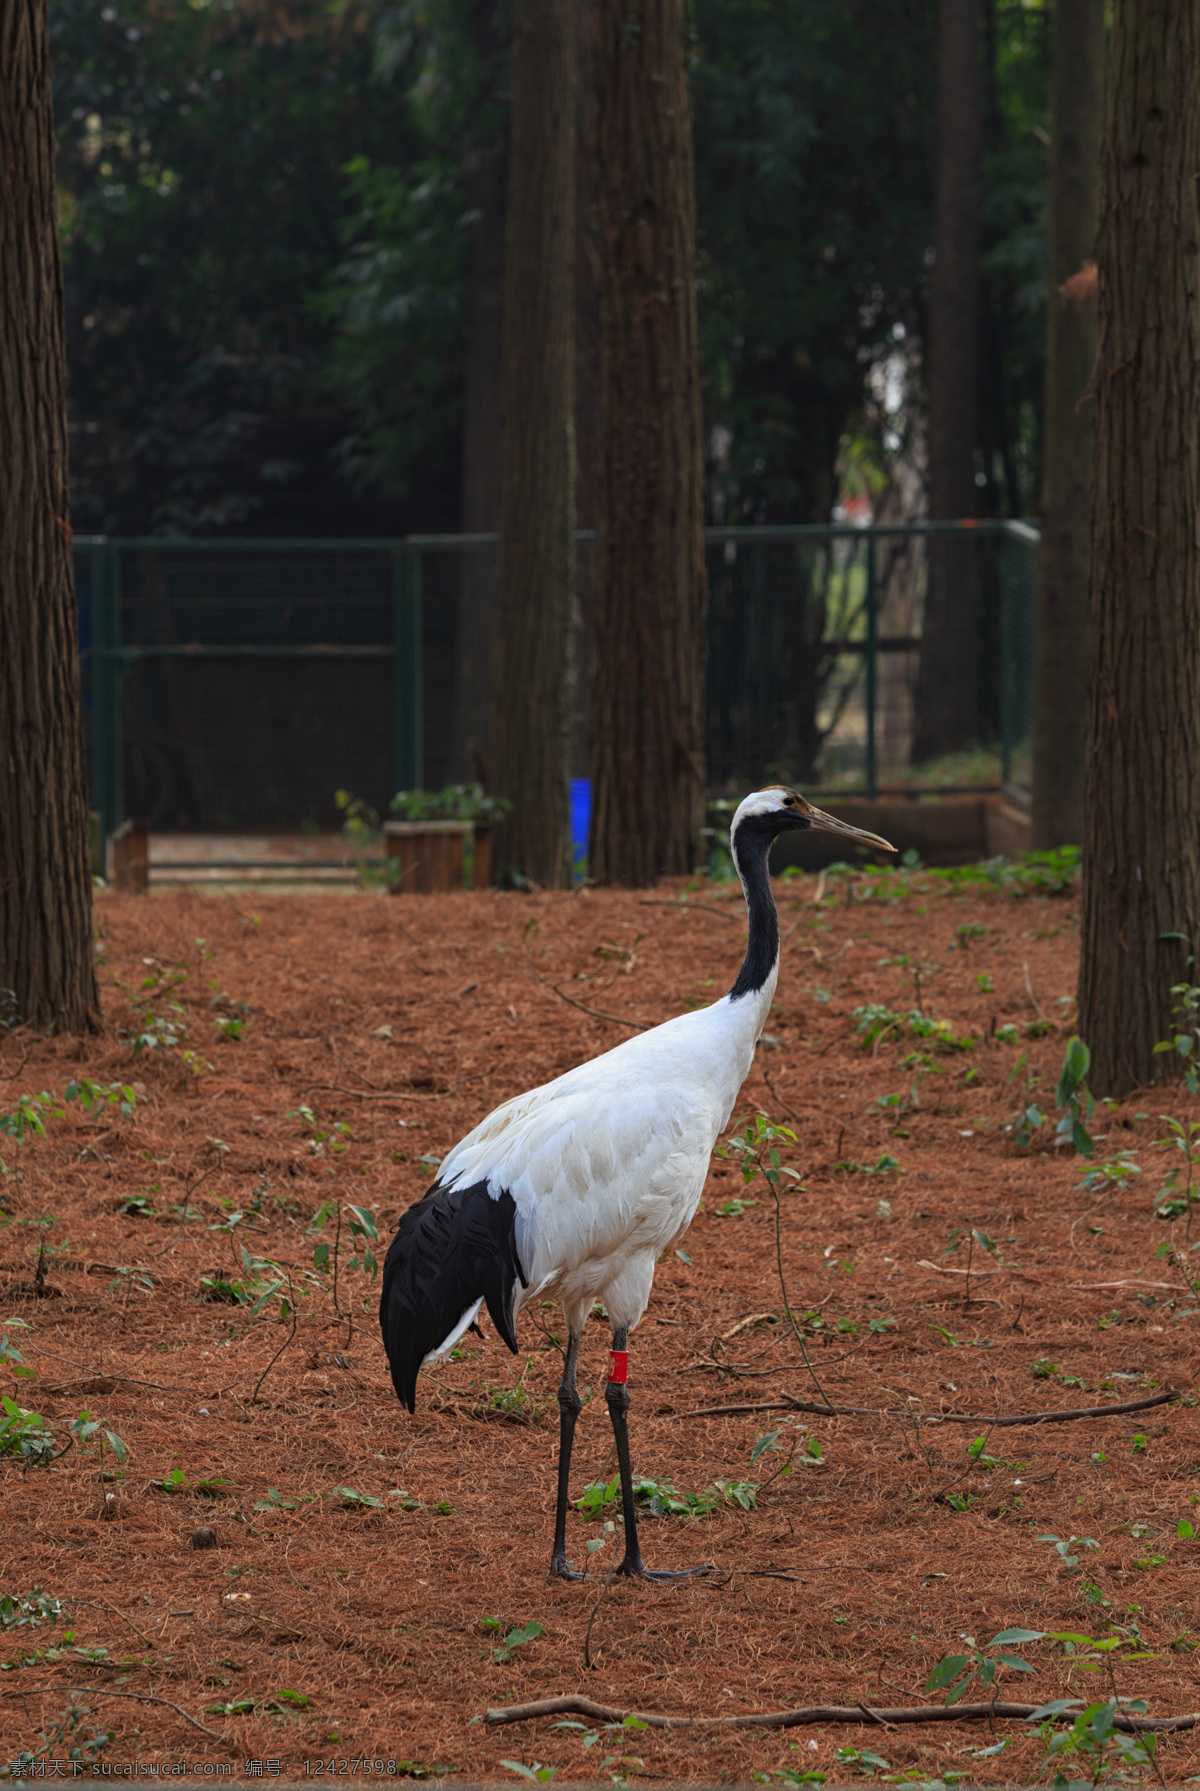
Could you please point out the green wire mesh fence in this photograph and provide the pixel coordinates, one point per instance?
(235, 685)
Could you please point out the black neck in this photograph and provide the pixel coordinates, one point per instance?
(751, 845)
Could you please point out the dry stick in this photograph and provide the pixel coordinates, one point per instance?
(613, 1019)
(96, 1691)
(689, 907)
(288, 1339)
(358, 1095)
(791, 1404)
(1029, 989)
(797, 1332)
(823, 1713)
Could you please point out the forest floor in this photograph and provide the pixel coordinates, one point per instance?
(331, 1048)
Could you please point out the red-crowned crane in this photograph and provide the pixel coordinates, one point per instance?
(575, 1189)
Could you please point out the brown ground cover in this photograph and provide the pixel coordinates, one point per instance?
(404, 1021)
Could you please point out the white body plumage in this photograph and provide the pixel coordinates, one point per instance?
(606, 1164)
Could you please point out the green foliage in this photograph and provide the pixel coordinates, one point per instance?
(660, 1498)
(1180, 1191)
(63, 1744)
(980, 1666)
(874, 1020)
(28, 1118)
(518, 1636)
(1063, 1548)
(1184, 1042)
(200, 161)
(28, 1613)
(86, 1429)
(457, 802)
(24, 1434)
(753, 1146)
(1095, 1743)
(1074, 1099)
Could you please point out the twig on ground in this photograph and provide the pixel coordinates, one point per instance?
(539, 979)
(614, 1019)
(691, 907)
(409, 1095)
(1029, 990)
(787, 1403)
(824, 1713)
(98, 1691)
(791, 1317)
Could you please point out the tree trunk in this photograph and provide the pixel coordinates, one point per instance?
(647, 732)
(947, 695)
(532, 682)
(1060, 703)
(480, 512)
(47, 974)
(1141, 894)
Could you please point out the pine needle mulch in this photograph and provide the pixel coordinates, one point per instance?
(363, 1034)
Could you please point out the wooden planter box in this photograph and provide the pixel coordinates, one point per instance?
(430, 855)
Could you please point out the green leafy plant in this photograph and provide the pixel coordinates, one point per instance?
(1184, 1042)
(517, 1637)
(63, 1742)
(660, 1498)
(981, 1666)
(886, 1165)
(351, 1500)
(1063, 1548)
(30, 1612)
(1074, 1099)
(1113, 1175)
(28, 1118)
(24, 1434)
(1094, 1742)
(457, 802)
(862, 1760)
(86, 1429)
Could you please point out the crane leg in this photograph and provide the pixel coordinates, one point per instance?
(569, 1407)
(616, 1397)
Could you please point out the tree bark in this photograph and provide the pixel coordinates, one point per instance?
(1060, 702)
(532, 683)
(487, 183)
(647, 740)
(946, 715)
(1141, 892)
(47, 973)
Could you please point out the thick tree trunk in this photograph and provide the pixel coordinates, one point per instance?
(947, 695)
(532, 682)
(647, 736)
(1141, 893)
(47, 973)
(487, 184)
(1060, 704)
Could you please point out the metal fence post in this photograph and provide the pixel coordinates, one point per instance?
(407, 642)
(872, 680)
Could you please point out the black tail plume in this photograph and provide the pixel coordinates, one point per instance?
(449, 1249)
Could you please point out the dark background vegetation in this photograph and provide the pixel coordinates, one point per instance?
(270, 212)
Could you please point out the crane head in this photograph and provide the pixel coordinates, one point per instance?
(779, 809)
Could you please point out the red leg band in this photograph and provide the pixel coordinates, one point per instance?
(618, 1366)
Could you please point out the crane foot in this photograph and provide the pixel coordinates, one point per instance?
(560, 1571)
(636, 1569)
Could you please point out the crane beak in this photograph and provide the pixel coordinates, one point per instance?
(830, 824)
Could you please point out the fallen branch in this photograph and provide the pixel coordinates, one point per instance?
(413, 1095)
(613, 1019)
(787, 1402)
(824, 1713)
(691, 907)
(96, 1691)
